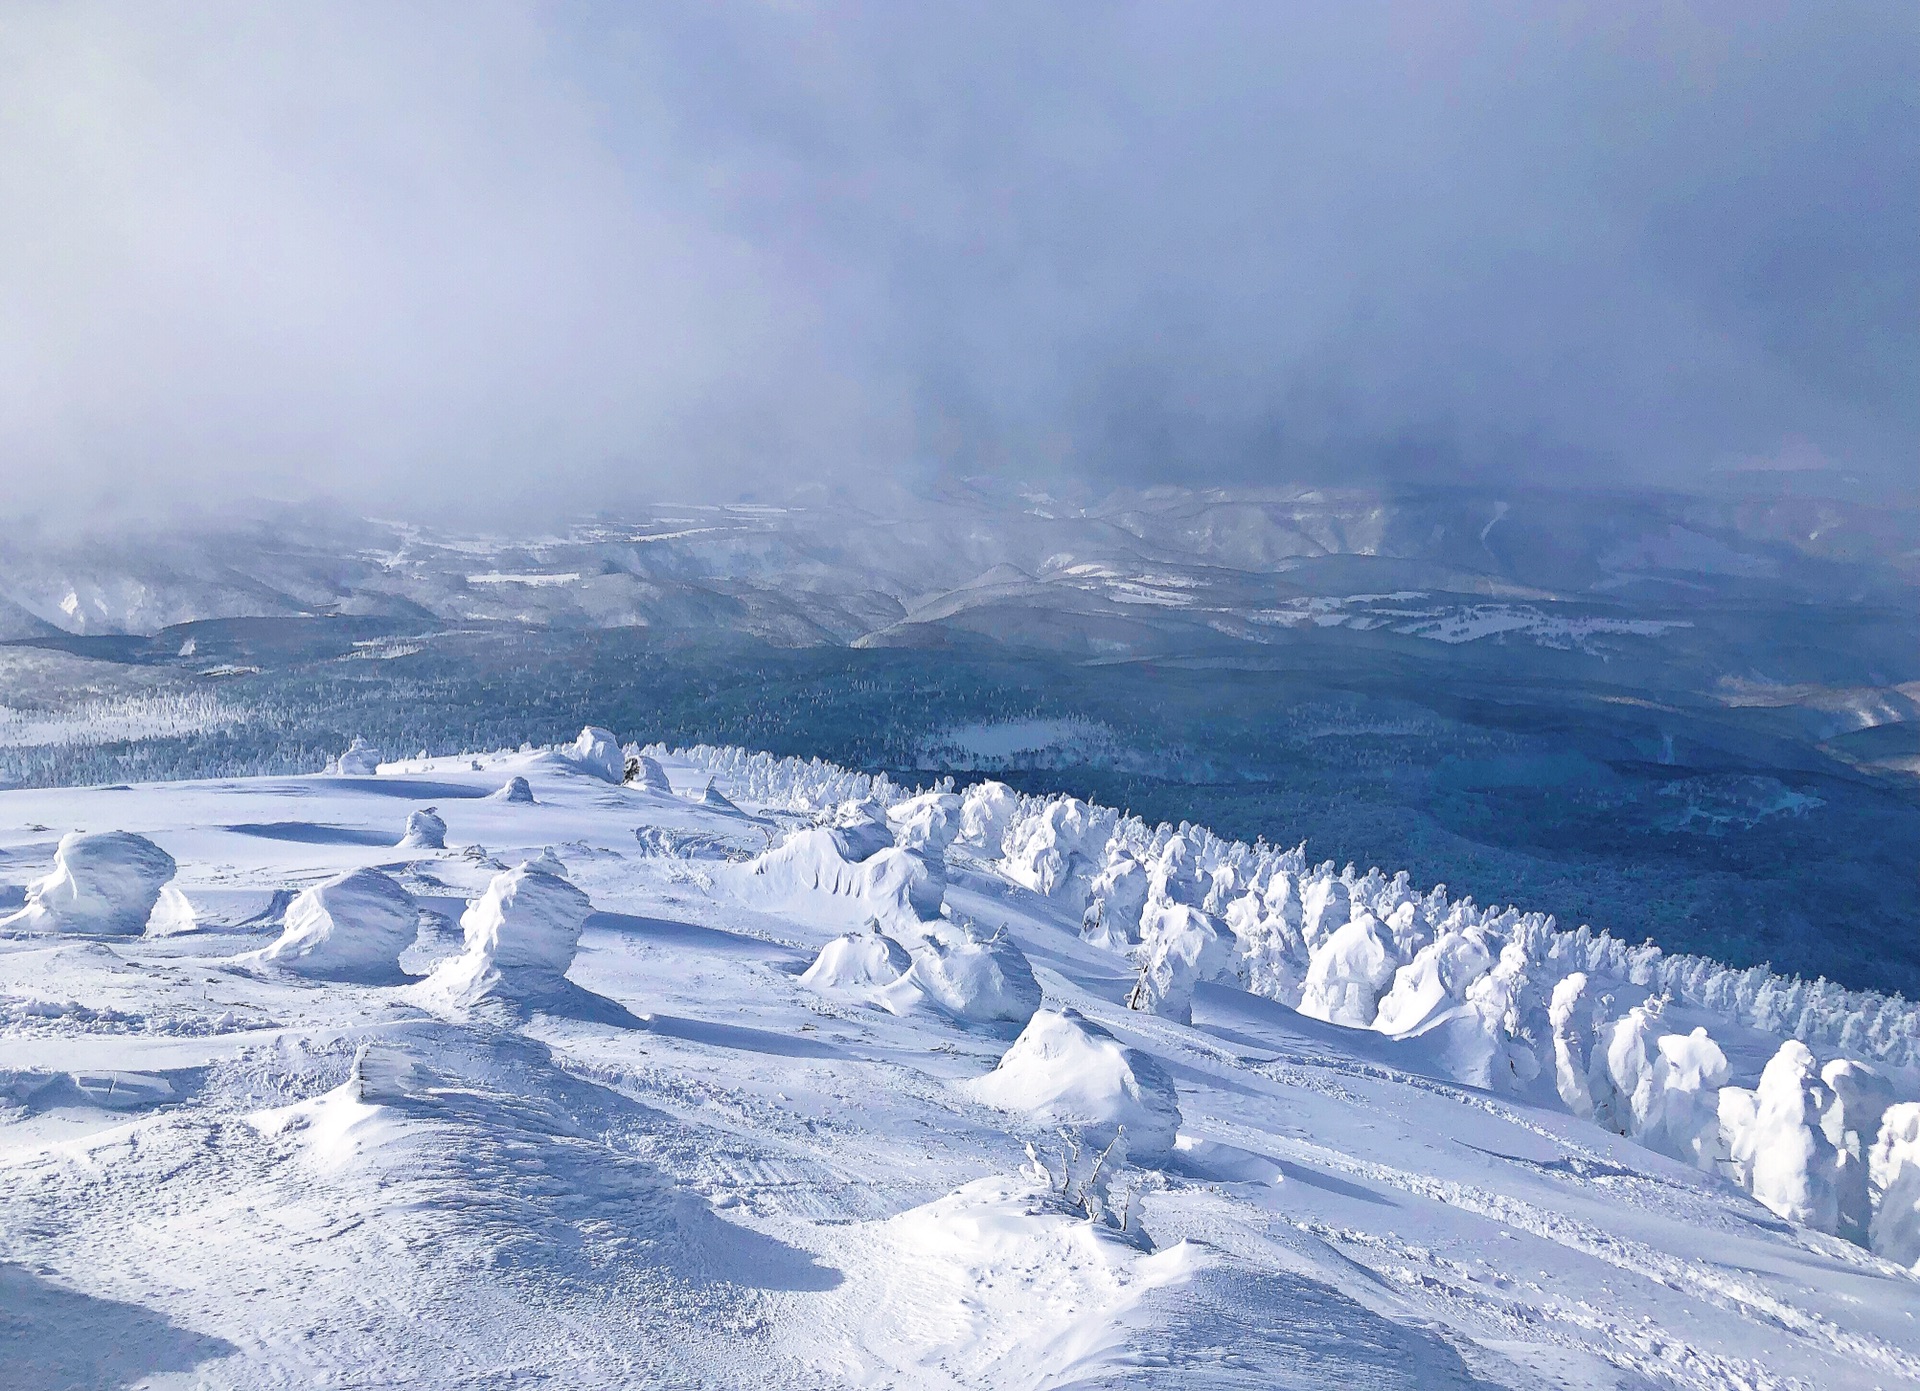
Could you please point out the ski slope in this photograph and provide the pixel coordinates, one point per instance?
(676, 1162)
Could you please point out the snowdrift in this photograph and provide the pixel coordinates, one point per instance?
(352, 927)
(1066, 1070)
(102, 885)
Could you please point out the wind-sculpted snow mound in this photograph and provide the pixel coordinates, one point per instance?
(861, 830)
(901, 889)
(858, 962)
(1057, 849)
(1181, 947)
(644, 772)
(986, 814)
(1348, 972)
(927, 823)
(515, 790)
(361, 760)
(597, 753)
(1066, 1070)
(1895, 1173)
(352, 927)
(974, 979)
(426, 830)
(950, 970)
(102, 885)
(521, 936)
(711, 798)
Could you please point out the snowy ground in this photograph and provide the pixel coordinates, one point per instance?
(691, 1169)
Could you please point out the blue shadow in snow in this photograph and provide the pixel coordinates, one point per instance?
(52, 1338)
(312, 833)
(741, 1039)
(709, 939)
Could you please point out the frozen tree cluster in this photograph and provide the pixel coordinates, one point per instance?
(1505, 998)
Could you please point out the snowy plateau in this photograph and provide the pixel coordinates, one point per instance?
(604, 1066)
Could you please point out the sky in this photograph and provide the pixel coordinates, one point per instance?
(486, 260)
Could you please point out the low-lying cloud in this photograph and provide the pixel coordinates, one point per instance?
(485, 258)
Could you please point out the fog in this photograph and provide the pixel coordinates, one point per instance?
(488, 261)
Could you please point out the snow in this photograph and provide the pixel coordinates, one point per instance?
(516, 790)
(521, 935)
(974, 979)
(645, 772)
(353, 926)
(597, 752)
(1348, 974)
(426, 830)
(927, 823)
(900, 889)
(1182, 946)
(1791, 1166)
(986, 811)
(104, 884)
(361, 760)
(1895, 1168)
(1066, 1070)
(683, 1118)
(857, 962)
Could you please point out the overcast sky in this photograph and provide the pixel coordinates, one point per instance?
(485, 258)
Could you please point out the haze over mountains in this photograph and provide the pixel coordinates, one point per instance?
(1121, 574)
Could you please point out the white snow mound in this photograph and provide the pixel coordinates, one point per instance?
(927, 823)
(426, 830)
(102, 885)
(361, 760)
(646, 774)
(598, 753)
(520, 938)
(516, 790)
(978, 981)
(1066, 1070)
(900, 888)
(353, 926)
(857, 961)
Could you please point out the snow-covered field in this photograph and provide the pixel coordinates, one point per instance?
(500, 1070)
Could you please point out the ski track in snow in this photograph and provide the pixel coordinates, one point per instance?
(687, 1169)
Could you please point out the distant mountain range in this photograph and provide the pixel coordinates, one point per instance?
(1137, 573)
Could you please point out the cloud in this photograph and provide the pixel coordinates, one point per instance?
(491, 257)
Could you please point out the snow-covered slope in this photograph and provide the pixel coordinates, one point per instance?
(676, 1162)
